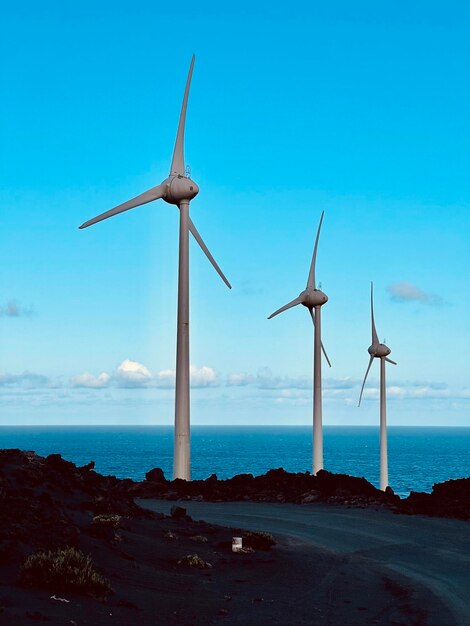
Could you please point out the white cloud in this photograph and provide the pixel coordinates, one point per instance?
(203, 376)
(132, 374)
(89, 381)
(407, 292)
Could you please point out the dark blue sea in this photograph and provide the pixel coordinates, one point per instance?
(418, 457)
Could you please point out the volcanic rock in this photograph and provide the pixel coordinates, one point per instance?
(156, 475)
(448, 499)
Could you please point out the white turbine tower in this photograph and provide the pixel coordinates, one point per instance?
(314, 299)
(177, 189)
(379, 351)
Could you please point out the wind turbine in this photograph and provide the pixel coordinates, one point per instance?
(177, 189)
(314, 299)
(380, 351)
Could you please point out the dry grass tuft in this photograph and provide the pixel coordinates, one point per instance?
(65, 569)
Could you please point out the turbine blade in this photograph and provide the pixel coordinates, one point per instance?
(198, 238)
(375, 338)
(285, 307)
(365, 378)
(390, 360)
(325, 354)
(322, 347)
(149, 196)
(311, 275)
(177, 164)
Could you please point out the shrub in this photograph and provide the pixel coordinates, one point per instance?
(258, 540)
(194, 560)
(104, 526)
(107, 521)
(64, 569)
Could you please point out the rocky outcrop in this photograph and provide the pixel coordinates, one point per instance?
(448, 499)
(155, 475)
(47, 502)
(276, 485)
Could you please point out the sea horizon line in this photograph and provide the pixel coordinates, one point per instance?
(222, 426)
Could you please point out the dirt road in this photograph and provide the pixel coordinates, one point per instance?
(431, 552)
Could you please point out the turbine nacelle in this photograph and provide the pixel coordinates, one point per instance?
(179, 188)
(379, 350)
(312, 298)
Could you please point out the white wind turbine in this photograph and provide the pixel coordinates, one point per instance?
(177, 189)
(314, 299)
(379, 351)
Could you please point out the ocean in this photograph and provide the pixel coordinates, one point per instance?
(418, 457)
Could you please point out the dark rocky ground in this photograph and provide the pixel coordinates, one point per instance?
(48, 503)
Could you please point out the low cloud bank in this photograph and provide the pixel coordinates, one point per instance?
(263, 386)
(132, 374)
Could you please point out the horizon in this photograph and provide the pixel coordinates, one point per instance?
(244, 426)
(353, 110)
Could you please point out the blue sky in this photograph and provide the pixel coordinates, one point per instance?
(361, 111)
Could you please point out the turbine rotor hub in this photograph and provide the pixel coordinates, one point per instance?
(313, 297)
(179, 188)
(379, 350)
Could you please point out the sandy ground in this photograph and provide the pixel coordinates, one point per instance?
(424, 561)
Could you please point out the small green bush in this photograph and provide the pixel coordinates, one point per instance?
(65, 569)
(258, 540)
